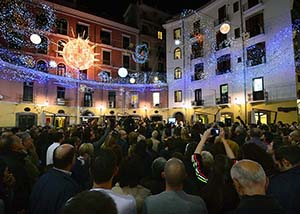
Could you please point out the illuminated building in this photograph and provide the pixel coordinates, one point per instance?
(37, 85)
(248, 72)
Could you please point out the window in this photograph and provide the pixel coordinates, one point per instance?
(223, 93)
(197, 49)
(256, 54)
(160, 35)
(134, 101)
(105, 37)
(160, 67)
(126, 42)
(88, 99)
(42, 66)
(237, 33)
(177, 73)
(177, 33)
(126, 61)
(82, 30)
(42, 48)
(28, 91)
(197, 27)
(235, 6)
(112, 99)
(178, 96)
(156, 99)
(177, 53)
(61, 92)
(222, 14)
(62, 26)
(255, 25)
(199, 71)
(61, 69)
(106, 57)
(60, 47)
(258, 88)
(221, 41)
(224, 64)
(41, 21)
(198, 97)
(83, 74)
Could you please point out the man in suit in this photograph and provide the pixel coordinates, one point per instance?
(174, 199)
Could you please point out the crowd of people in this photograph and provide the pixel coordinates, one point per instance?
(149, 167)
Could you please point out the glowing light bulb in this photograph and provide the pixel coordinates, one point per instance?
(225, 28)
(35, 39)
(122, 72)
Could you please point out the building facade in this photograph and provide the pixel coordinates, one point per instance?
(50, 91)
(248, 71)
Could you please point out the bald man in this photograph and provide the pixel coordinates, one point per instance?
(174, 199)
(56, 186)
(251, 183)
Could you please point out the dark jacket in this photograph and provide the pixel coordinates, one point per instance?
(51, 192)
(285, 187)
(259, 204)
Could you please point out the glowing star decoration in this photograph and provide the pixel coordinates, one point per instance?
(141, 54)
(78, 54)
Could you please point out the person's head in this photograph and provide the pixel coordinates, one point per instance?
(130, 172)
(287, 157)
(158, 166)
(57, 137)
(104, 167)
(207, 160)
(86, 148)
(249, 178)
(64, 157)
(90, 202)
(123, 134)
(255, 132)
(174, 173)
(294, 136)
(155, 134)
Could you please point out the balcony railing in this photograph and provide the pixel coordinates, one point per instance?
(258, 96)
(220, 21)
(197, 103)
(248, 6)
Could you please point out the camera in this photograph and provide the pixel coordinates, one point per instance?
(215, 132)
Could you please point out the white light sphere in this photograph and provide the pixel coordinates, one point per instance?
(225, 28)
(177, 42)
(132, 80)
(52, 64)
(122, 72)
(35, 39)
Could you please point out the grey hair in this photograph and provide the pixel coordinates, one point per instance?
(23, 135)
(248, 172)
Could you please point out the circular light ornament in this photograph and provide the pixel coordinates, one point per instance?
(78, 54)
(122, 72)
(225, 28)
(177, 42)
(52, 64)
(132, 80)
(35, 39)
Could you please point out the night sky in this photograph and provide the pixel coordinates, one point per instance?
(115, 8)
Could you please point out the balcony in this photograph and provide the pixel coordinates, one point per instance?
(258, 96)
(218, 22)
(252, 4)
(61, 101)
(226, 100)
(197, 103)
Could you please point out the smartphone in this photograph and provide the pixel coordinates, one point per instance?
(215, 132)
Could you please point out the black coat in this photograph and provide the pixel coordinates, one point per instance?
(51, 192)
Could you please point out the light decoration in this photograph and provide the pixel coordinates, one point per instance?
(141, 54)
(52, 64)
(132, 80)
(78, 54)
(122, 72)
(18, 23)
(225, 28)
(104, 77)
(35, 39)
